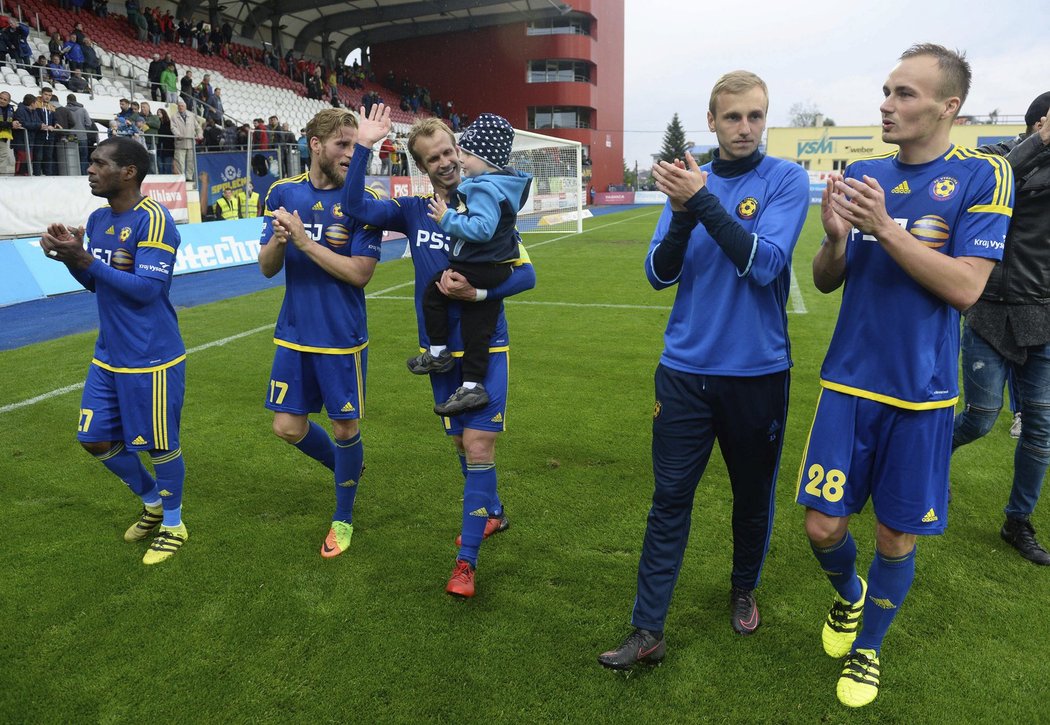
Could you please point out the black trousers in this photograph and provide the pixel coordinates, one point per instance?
(746, 416)
(477, 320)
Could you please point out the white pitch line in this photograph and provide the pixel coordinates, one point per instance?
(70, 388)
(798, 305)
(373, 295)
(591, 229)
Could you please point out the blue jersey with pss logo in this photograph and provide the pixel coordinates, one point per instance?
(320, 313)
(895, 342)
(135, 336)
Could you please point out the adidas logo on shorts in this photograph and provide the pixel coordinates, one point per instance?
(139, 441)
(930, 517)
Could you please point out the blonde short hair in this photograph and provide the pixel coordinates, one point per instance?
(328, 122)
(736, 82)
(427, 127)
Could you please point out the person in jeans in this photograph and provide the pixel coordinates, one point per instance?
(1008, 330)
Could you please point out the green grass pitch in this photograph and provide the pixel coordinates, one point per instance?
(248, 624)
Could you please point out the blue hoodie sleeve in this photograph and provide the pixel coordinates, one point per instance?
(479, 224)
(522, 278)
(760, 256)
(380, 213)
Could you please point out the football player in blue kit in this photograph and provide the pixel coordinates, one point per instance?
(133, 395)
(725, 241)
(910, 237)
(433, 147)
(322, 333)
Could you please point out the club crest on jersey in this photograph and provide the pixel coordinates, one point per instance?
(124, 234)
(656, 410)
(943, 188)
(747, 208)
(336, 235)
(931, 230)
(337, 210)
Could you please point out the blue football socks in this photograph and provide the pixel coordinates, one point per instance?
(889, 580)
(349, 455)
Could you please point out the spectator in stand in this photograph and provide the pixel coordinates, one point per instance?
(141, 26)
(204, 91)
(185, 33)
(86, 131)
(186, 90)
(304, 148)
(48, 135)
(169, 83)
(9, 129)
(131, 9)
(91, 65)
(153, 72)
(201, 38)
(186, 128)
(78, 33)
(55, 43)
(260, 136)
(150, 128)
(78, 83)
(56, 71)
(100, 8)
(39, 69)
(73, 53)
(167, 27)
(313, 85)
(19, 39)
(153, 28)
(214, 111)
(165, 143)
(229, 135)
(29, 117)
(385, 150)
(227, 32)
(213, 136)
(243, 133)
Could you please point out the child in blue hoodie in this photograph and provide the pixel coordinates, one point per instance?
(484, 243)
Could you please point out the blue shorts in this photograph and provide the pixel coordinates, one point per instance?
(860, 448)
(301, 382)
(492, 417)
(142, 409)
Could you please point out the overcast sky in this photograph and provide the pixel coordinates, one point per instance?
(833, 54)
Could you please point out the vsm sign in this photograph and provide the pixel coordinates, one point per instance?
(826, 145)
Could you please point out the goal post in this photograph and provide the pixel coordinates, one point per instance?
(555, 202)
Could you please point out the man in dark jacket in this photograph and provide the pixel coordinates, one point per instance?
(1009, 329)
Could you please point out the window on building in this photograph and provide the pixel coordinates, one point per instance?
(559, 71)
(804, 164)
(839, 165)
(541, 117)
(560, 26)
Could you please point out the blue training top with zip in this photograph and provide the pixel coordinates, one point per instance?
(727, 322)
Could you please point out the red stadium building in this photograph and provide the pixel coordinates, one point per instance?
(561, 76)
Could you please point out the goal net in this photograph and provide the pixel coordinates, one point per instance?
(555, 202)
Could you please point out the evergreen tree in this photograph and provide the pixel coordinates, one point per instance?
(675, 144)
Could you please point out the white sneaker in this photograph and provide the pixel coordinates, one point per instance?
(1015, 428)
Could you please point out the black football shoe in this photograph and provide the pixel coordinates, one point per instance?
(743, 610)
(641, 645)
(1019, 534)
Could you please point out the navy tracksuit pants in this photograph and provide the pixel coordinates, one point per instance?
(746, 415)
